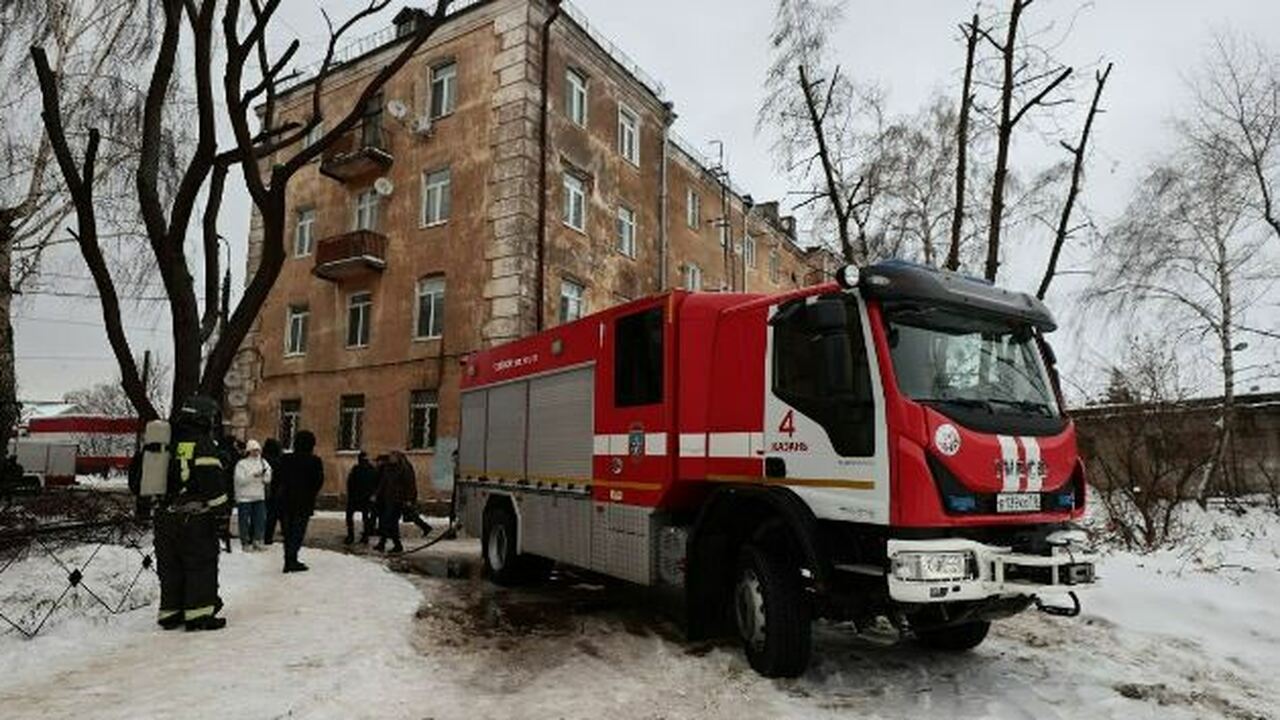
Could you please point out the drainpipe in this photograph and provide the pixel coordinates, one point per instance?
(540, 281)
(748, 206)
(664, 197)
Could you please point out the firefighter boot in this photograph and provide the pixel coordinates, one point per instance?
(171, 621)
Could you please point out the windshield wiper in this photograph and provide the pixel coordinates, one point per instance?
(1030, 406)
(962, 402)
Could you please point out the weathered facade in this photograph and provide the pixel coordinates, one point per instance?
(447, 222)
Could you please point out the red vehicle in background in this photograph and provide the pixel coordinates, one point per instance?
(892, 445)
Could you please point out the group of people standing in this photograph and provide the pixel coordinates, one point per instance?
(383, 493)
(271, 488)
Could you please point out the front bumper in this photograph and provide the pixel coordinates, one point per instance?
(993, 571)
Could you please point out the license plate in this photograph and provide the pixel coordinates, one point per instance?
(1017, 502)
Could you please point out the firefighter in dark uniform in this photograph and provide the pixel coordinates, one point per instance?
(186, 521)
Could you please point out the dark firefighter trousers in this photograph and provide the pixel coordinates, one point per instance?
(187, 563)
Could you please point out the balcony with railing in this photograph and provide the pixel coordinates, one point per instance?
(351, 255)
(359, 154)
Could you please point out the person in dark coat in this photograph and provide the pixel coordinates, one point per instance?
(301, 477)
(398, 493)
(271, 452)
(362, 482)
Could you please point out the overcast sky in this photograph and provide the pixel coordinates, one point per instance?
(711, 55)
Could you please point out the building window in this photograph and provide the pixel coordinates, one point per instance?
(424, 409)
(693, 210)
(444, 89)
(629, 135)
(572, 303)
(749, 249)
(295, 339)
(775, 266)
(436, 197)
(304, 233)
(692, 278)
(430, 309)
(359, 317)
(627, 231)
(351, 422)
(575, 100)
(637, 359)
(367, 210)
(371, 123)
(290, 419)
(575, 202)
(723, 226)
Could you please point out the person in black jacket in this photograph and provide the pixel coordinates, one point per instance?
(271, 452)
(362, 481)
(301, 477)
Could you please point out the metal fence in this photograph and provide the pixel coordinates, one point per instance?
(81, 553)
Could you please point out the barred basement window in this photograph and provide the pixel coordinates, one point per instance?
(424, 410)
(351, 422)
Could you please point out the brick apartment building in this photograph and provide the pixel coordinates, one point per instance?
(416, 240)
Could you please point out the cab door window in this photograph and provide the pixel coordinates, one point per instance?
(820, 368)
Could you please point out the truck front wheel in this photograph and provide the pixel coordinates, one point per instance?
(955, 638)
(771, 613)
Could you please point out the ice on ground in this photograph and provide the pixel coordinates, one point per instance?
(1174, 634)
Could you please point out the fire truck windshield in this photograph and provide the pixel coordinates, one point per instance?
(944, 357)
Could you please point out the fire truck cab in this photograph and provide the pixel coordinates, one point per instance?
(891, 445)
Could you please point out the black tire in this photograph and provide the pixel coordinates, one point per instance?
(498, 545)
(955, 638)
(771, 614)
(501, 562)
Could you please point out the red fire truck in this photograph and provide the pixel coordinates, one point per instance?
(890, 445)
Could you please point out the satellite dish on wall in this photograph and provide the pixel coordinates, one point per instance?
(397, 109)
(383, 186)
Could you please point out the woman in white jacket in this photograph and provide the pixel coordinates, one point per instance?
(252, 478)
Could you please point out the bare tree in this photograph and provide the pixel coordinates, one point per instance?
(268, 158)
(1028, 78)
(110, 399)
(1237, 107)
(1187, 251)
(970, 32)
(1144, 452)
(1077, 152)
(92, 49)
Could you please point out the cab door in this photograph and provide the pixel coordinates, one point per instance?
(825, 435)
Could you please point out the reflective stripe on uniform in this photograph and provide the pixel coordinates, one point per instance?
(166, 614)
(208, 461)
(197, 613)
(217, 501)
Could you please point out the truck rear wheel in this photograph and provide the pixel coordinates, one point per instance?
(955, 638)
(501, 561)
(771, 613)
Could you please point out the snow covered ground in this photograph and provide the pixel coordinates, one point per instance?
(1193, 633)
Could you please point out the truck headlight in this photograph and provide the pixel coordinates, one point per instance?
(928, 566)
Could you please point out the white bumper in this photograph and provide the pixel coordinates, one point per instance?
(993, 571)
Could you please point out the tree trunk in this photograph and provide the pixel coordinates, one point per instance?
(834, 194)
(9, 407)
(962, 146)
(1004, 134)
(1227, 461)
